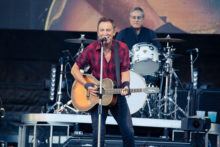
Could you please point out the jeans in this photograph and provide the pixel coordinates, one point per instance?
(121, 113)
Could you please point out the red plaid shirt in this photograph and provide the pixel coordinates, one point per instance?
(92, 56)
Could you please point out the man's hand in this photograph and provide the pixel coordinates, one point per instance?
(91, 88)
(125, 91)
(125, 88)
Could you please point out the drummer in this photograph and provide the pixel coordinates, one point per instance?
(136, 33)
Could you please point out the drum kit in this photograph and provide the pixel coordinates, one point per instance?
(153, 67)
(148, 61)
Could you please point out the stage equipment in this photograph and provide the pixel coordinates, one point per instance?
(81, 40)
(2, 112)
(168, 39)
(52, 82)
(58, 103)
(145, 58)
(116, 141)
(192, 90)
(195, 124)
(100, 96)
(137, 101)
(67, 105)
(195, 78)
(2, 109)
(168, 103)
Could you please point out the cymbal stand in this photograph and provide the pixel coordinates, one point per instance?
(168, 92)
(81, 44)
(160, 93)
(176, 107)
(82, 37)
(168, 77)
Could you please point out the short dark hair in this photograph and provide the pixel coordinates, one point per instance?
(106, 19)
(137, 9)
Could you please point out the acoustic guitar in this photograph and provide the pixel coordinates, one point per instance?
(83, 101)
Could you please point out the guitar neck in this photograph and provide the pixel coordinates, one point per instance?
(118, 90)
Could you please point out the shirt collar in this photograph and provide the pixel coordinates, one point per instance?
(98, 47)
(134, 29)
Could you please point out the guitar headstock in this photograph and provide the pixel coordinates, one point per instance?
(149, 90)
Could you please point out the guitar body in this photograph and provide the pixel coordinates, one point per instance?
(83, 101)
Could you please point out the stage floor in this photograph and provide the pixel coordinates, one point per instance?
(85, 119)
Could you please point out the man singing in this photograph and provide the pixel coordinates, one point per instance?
(91, 56)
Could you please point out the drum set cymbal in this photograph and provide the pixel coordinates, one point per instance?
(168, 39)
(82, 39)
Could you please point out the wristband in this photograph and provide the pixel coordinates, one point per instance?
(126, 83)
(87, 85)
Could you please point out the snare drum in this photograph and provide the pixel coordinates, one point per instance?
(145, 58)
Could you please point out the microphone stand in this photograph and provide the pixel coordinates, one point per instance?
(191, 91)
(100, 96)
(59, 103)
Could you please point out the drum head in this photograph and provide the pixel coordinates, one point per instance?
(147, 67)
(145, 59)
(136, 100)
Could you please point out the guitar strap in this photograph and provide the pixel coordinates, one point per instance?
(117, 63)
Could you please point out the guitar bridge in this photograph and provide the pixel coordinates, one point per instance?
(87, 95)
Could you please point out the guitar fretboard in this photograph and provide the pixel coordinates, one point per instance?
(132, 90)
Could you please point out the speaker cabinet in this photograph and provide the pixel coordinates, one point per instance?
(195, 124)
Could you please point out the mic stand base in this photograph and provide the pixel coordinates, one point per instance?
(55, 105)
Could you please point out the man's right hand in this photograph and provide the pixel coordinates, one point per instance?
(91, 88)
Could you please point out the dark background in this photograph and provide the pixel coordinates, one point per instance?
(25, 14)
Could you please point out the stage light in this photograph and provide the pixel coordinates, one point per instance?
(195, 78)
(2, 110)
(52, 82)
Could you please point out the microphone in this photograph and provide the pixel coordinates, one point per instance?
(191, 50)
(105, 38)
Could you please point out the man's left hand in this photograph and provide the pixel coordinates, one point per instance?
(125, 91)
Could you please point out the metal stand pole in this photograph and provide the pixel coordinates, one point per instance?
(191, 65)
(190, 91)
(168, 94)
(100, 96)
(175, 99)
(160, 94)
(59, 103)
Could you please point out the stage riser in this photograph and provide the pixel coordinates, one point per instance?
(118, 143)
